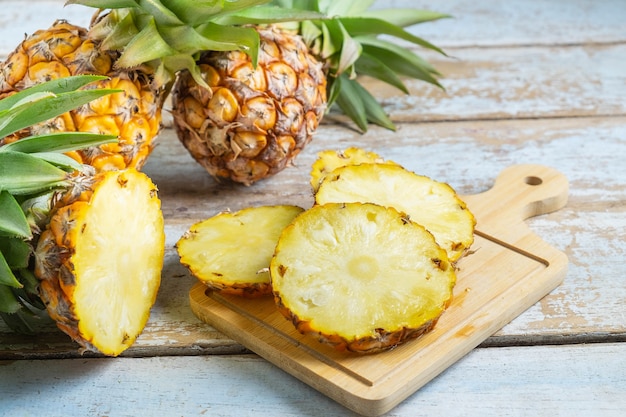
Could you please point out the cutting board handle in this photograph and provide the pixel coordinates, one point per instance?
(521, 192)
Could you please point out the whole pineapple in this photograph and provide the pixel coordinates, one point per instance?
(139, 46)
(304, 68)
(86, 247)
(134, 114)
(253, 121)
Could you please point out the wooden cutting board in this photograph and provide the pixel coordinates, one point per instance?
(508, 270)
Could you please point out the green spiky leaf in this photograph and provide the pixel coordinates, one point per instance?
(372, 66)
(7, 278)
(146, 46)
(348, 100)
(56, 86)
(16, 321)
(350, 51)
(58, 142)
(27, 113)
(367, 26)
(269, 14)
(232, 38)
(310, 32)
(16, 252)
(8, 302)
(400, 60)
(59, 160)
(373, 110)
(194, 12)
(333, 87)
(330, 44)
(22, 174)
(13, 221)
(115, 32)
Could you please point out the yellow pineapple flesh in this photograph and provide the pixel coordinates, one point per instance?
(133, 114)
(231, 251)
(360, 277)
(328, 160)
(433, 204)
(100, 258)
(252, 122)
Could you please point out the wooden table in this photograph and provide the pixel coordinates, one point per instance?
(526, 82)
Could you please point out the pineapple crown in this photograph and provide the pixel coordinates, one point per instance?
(32, 169)
(348, 41)
(168, 35)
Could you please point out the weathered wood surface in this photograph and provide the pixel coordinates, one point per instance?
(577, 380)
(526, 82)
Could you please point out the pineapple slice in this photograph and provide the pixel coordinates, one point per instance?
(230, 252)
(328, 160)
(433, 204)
(100, 260)
(360, 277)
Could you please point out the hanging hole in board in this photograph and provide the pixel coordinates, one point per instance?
(533, 180)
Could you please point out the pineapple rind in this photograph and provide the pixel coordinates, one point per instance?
(433, 204)
(361, 277)
(231, 251)
(101, 267)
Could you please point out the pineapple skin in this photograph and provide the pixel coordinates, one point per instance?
(252, 123)
(60, 261)
(134, 115)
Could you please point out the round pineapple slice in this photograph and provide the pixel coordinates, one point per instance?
(100, 260)
(231, 252)
(329, 160)
(360, 277)
(433, 204)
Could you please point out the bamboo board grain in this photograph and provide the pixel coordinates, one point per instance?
(508, 270)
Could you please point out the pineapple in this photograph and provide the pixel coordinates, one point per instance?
(252, 122)
(139, 46)
(370, 279)
(254, 119)
(134, 114)
(231, 252)
(100, 259)
(88, 247)
(328, 160)
(433, 204)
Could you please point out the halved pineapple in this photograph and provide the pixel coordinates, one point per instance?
(100, 259)
(361, 277)
(231, 252)
(328, 160)
(433, 204)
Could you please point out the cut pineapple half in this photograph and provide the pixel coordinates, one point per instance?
(327, 161)
(231, 252)
(100, 261)
(360, 277)
(433, 204)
